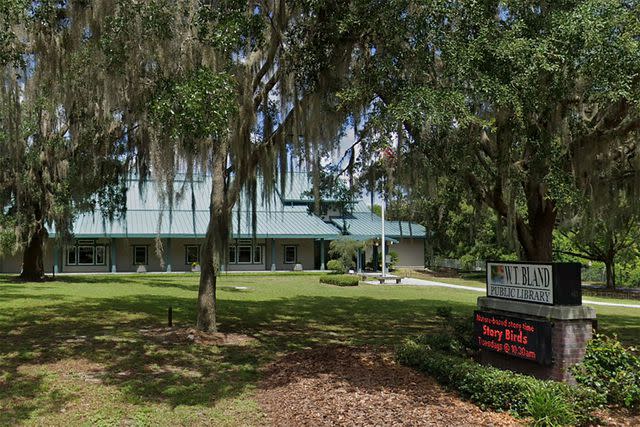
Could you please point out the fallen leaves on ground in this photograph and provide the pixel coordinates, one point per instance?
(619, 417)
(340, 385)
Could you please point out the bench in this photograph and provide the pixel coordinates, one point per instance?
(384, 279)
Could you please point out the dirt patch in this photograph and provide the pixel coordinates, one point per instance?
(68, 370)
(619, 417)
(64, 367)
(361, 386)
(191, 335)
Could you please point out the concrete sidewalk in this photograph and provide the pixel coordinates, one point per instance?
(421, 282)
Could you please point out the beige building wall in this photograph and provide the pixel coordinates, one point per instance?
(177, 252)
(124, 255)
(305, 253)
(410, 252)
(12, 264)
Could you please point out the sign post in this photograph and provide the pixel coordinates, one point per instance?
(532, 320)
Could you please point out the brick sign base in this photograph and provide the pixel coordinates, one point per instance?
(572, 328)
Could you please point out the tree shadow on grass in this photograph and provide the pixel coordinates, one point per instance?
(627, 328)
(110, 332)
(11, 296)
(102, 279)
(23, 390)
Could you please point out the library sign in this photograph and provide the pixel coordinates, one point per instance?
(522, 338)
(538, 283)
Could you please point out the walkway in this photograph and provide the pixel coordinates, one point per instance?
(422, 282)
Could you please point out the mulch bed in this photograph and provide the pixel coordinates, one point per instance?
(190, 335)
(619, 417)
(340, 385)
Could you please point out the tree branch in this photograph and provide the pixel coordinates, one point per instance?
(579, 255)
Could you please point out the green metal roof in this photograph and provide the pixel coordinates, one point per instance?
(281, 224)
(148, 216)
(369, 225)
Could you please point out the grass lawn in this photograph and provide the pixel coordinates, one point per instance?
(72, 351)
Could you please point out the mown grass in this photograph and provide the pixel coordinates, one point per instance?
(74, 351)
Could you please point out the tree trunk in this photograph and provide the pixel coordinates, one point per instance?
(207, 291)
(33, 257)
(215, 243)
(610, 270)
(536, 237)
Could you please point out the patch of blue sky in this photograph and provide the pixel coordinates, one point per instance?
(87, 33)
(503, 12)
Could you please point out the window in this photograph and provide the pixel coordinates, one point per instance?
(232, 255)
(191, 254)
(139, 255)
(100, 258)
(86, 252)
(71, 255)
(290, 254)
(257, 255)
(244, 254)
(86, 255)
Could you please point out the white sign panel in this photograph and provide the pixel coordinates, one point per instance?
(522, 282)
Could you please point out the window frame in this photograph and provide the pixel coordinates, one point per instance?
(104, 254)
(253, 250)
(295, 254)
(235, 255)
(250, 254)
(257, 249)
(146, 254)
(186, 255)
(73, 248)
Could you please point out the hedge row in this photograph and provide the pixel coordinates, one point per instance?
(339, 280)
(547, 402)
(612, 370)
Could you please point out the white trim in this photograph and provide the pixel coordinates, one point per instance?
(75, 253)
(258, 249)
(295, 254)
(146, 254)
(235, 255)
(104, 255)
(186, 257)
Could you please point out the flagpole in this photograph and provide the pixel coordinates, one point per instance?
(384, 260)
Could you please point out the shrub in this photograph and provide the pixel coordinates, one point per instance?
(458, 329)
(548, 408)
(628, 275)
(612, 370)
(393, 260)
(336, 266)
(498, 389)
(345, 250)
(339, 280)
